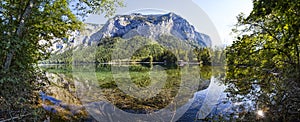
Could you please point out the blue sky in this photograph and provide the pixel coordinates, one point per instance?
(213, 17)
(223, 14)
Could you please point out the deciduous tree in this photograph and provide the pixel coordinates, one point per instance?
(264, 61)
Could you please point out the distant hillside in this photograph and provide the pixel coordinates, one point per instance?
(168, 49)
(164, 38)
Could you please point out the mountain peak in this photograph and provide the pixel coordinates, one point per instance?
(151, 26)
(172, 14)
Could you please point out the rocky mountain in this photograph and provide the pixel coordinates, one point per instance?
(129, 26)
(150, 26)
(76, 38)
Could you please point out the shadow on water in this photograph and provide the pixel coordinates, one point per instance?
(153, 90)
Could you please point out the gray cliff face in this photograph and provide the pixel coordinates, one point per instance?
(150, 26)
(76, 39)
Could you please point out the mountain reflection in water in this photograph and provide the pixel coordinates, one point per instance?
(208, 101)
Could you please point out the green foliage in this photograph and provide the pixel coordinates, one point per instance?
(266, 54)
(203, 54)
(27, 29)
(137, 49)
(108, 7)
(25, 23)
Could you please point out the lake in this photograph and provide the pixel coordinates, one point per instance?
(136, 92)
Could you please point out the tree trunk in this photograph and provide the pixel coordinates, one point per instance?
(298, 62)
(8, 59)
(19, 33)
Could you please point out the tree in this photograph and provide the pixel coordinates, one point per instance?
(27, 29)
(264, 61)
(203, 55)
(25, 23)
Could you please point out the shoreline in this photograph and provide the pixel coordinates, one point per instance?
(127, 62)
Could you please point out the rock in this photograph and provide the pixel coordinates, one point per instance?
(151, 26)
(129, 26)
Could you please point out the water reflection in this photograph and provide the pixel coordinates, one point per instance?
(139, 92)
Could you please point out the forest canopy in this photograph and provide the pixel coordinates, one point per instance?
(168, 49)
